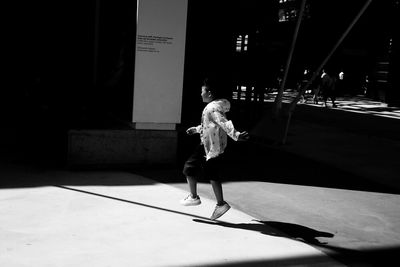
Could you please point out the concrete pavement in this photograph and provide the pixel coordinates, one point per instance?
(107, 218)
(352, 223)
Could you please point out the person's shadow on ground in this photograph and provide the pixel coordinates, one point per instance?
(288, 230)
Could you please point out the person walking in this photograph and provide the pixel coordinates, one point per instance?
(209, 154)
(304, 80)
(326, 88)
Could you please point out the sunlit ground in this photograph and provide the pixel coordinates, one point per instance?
(358, 104)
(122, 219)
(134, 223)
(340, 222)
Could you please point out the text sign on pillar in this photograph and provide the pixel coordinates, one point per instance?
(159, 63)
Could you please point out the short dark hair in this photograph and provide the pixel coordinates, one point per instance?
(209, 84)
(214, 85)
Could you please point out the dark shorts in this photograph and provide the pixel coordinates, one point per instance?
(197, 166)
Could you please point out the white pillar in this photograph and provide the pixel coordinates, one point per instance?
(159, 64)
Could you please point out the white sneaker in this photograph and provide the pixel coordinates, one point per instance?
(190, 201)
(219, 211)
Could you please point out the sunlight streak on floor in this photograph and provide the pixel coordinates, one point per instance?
(141, 223)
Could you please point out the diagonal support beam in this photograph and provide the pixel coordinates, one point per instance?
(278, 99)
(316, 73)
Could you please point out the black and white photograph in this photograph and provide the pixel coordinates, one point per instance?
(207, 133)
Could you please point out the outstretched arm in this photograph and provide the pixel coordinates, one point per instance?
(220, 119)
(193, 130)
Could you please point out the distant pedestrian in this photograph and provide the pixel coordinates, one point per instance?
(208, 155)
(327, 89)
(341, 84)
(304, 81)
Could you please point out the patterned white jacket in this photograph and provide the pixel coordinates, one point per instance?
(215, 127)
